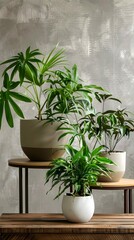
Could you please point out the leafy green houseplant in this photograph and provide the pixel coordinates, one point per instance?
(56, 94)
(79, 170)
(31, 74)
(65, 93)
(108, 128)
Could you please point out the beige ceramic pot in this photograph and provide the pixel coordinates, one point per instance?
(39, 141)
(118, 170)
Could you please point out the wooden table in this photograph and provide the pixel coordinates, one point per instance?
(124, 184)
(55, 227)
(24, 163)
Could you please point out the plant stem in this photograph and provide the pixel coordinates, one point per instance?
(38, 101)
(95, 143)
(117, 140)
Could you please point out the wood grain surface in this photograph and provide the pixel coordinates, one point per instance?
(67, 236)
(55, 227)
(25, 162)
(56, 223)
(123, 183)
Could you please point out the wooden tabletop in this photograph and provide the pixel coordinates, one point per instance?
(56, 223)
(122, 184)
(26, 163)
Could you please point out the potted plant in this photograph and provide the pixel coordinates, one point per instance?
(56, 95)
(26, 72)
(108, 128)
(79, 171)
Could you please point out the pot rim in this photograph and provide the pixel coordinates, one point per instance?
(113, 152)
(69, 195)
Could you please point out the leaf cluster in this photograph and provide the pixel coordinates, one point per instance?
(31, 74)
(114, 125)
(34, 73)
(68, 95)
(79, 169)
(109, 127)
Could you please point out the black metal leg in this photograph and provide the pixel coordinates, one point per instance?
(20, 190)
(26, 190)
(71, 188)
(126, 200)
(130, 201)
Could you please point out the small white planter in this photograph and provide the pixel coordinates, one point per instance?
(119, 158)
(39, 141)
(78, 209)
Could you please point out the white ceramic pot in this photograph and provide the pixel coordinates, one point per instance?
(78, 209)
(119, 158)
(39, 141)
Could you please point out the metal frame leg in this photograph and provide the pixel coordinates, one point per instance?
(130, 201)
(20, 190)
(26, 190)
(126, 200)
(71, 188)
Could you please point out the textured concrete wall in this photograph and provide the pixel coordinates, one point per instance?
(98, 36)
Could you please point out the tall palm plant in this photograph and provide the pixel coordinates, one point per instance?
(28, 71)
(55, 93)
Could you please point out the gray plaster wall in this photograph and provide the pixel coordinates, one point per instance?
(98, 36)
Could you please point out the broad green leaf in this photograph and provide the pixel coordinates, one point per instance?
(34, 53)
(27, 52)
(14, 71)
(33, 69)
(19, 96)
(9, 67)
(115, 99)
(97, 96)
(1, 109)
(95, 87)
(16, 108)
(97, 151)
(10, 60)
(35, 60)
(105, 160)
(70, 150)
(8, 114)
(21, 74)
(6, 82)
(13, 85)
(28, 73)
(109, 111)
